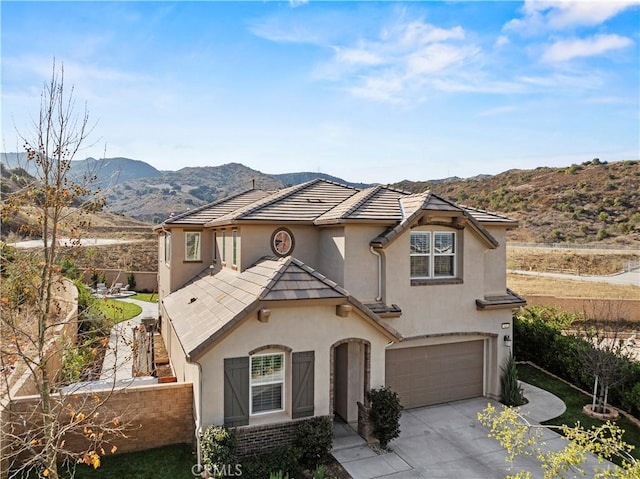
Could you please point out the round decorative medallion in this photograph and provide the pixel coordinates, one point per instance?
(282, 242)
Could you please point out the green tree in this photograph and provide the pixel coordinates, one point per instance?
(521, 438)
(31, 325)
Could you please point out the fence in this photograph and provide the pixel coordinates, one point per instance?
(157, 415)
(632, 249)
(145, 280)
(600, 309)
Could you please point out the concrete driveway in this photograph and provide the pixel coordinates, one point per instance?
(447, 441)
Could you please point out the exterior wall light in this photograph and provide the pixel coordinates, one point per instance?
(507, 341)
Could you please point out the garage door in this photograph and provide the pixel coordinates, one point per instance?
(428, 375)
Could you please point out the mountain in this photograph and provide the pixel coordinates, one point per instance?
(592, 201)
(154, 199)
(290, 179)
(113, 171)
(15, 160)
(108, 171)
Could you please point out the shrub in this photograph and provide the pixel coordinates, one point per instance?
(285, 459)
(218, 449)
(315, 439)
(512, 393)
(384, 414)
(69, 268)
(538, 338)
(131, 281)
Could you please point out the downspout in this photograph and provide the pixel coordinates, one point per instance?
(199, 418)
(374, 252)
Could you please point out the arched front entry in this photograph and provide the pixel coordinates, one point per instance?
(350, 376)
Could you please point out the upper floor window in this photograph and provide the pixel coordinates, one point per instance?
(167, 247)
(234, 247)
(433, 255)
(224, 246)
(192, 245)
(267, 383)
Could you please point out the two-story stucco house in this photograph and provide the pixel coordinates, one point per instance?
(289, 304)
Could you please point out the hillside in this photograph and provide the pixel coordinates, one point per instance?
(108, 171)
(591, 202)
(290, 179)
(154, 199)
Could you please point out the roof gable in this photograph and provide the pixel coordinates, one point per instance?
(418, 207)
(205, 309)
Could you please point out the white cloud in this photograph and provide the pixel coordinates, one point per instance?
(540, 16)
(396, 65)
(297, 3)
(564, 50)
(501, 41)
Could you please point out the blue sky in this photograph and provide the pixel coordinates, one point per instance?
(372, 92)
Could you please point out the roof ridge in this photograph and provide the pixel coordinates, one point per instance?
(359, 203)
(209, 205)
(319, 276)
(281, 194)
(276, 277)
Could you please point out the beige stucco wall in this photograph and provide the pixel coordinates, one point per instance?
(447, 312)
(322, 329)
(256, 243)
(331, 254)
(495, 264)
(361, 266)
(177, 272)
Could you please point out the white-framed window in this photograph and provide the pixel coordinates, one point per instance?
(167, 247)
(192, 245)
(433, 254)
(266, 383)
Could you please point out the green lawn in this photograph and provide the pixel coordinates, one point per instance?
(575, 400)
(169, 462)
(149, 297)
(117, 310)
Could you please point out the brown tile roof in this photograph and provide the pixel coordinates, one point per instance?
(301, 203)
(414, 206)
(324, 202)
(378, 203)
(507, 300)
(208, 212)
(210, 305)
(488, 217)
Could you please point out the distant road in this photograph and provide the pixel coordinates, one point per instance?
(630, 278)
(67, 242)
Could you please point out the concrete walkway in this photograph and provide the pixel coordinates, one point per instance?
(447, 441)
(628, 278)
(118, 359)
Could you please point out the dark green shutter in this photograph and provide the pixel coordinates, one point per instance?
(236, 391)
(302, 384)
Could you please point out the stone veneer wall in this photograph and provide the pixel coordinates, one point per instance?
(266, 437)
